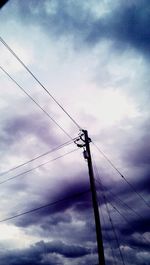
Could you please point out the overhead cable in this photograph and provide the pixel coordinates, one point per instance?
(108, 238)
(125, 219)
(38, 105)
(116, 209)
(109, 216)
(115, 197)
(37, 80)
(125, 204)
(37, 157)
(45, 206)
(113, 228)
(41, 165)
(123, 177)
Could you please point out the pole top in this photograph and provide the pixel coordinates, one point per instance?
(81, 140)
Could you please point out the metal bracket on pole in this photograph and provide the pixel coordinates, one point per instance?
(80, 142)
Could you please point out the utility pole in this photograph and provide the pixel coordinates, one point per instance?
(87, 155)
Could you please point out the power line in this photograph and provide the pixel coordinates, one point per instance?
(122, 215)
(108, 238)
(32, 169)
(111, 222)
(121, 202)
(116, 197)
(37, 80)
(38, 105)
(109, 216)
(123, 177)
(45, 206)
(114, 230)
(125, 204)
(35, 158)
(116, 209)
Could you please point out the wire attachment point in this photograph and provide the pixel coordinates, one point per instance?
(80, 142)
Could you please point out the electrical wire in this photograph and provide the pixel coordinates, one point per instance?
(108, 238)
(114, 230)
(41, 165)
(121, 202)
(122, 215)
(123, 177)
(37, 104)
(116, 197)
(35, 158)
(111, 222)
(45, 206)
(113, 254)
(116, 209)
(119, 213)
(125, 204)
(37, 80)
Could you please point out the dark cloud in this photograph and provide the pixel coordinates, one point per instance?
(61, 217)
(137, 225)
(126, 25)
(57, 17)
(69, 251)
(139, 243)
(59, 222)
(71, 221)
(43, 253)
(144, 184)
(77, 198)
(19, 126)
(130, 218)
(139, 153)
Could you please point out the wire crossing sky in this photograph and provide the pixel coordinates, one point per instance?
(29, 71)
(132, 187)
(37, 104)
(43, 206)
(35, 158)
(93, 56)
(34, 168)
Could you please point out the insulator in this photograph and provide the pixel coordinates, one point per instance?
(85, 154)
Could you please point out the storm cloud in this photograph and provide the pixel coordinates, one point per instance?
(126, 24)
(35, 253)
(94, 57)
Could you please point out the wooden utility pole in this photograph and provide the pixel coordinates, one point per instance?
(87, 155)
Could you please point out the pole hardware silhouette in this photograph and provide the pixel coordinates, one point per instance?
(84, 142)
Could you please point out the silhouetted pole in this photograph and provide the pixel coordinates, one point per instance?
(87, 156)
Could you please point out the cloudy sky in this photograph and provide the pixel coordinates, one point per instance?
(94, 57)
